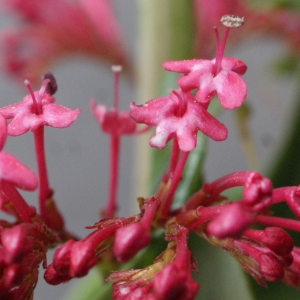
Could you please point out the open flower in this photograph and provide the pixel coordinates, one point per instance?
(25, 117)
(178, 114)
(230, 88)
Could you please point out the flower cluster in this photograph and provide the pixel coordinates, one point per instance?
(268, 254)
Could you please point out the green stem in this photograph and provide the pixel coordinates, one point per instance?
(165, 33)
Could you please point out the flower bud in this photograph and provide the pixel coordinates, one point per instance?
(277, 240)
(231, 222)
(173, 283)
(129, 240)
(82, 258)
(257, 192)
(270, 267)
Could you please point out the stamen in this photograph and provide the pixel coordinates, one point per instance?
(116, 69)
(44, 87)
(228, 21)
(35, 104)
(52, 84)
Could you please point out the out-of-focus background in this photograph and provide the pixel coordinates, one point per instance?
(78, 156)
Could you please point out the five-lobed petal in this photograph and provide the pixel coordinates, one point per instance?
(180, 115)
(24, 117)
(201, 74)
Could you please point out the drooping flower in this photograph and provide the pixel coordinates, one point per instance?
(178, 114)
(52, 29)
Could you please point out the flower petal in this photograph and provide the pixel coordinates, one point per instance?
(15, 172)
(231, 89)
(59, 116)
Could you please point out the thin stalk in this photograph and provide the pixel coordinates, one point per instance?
(114, 174)
(278, 222)
(166, 203)
(174, 156)
(44, 189)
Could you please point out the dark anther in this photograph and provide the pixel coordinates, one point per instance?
(52, 85)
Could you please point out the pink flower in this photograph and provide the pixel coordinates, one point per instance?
(202, 74)
(25, 115)
(112, 121)
(52, 29)
(178, 114)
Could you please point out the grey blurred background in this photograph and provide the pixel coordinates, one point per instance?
(78, 156)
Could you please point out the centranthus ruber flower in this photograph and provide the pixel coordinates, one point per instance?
(53, 29)
(33, 113)
(36, 110)
(178, 115)
(115, 123)
(219, 76)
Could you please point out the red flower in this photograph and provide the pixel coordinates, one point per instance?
(51, 29)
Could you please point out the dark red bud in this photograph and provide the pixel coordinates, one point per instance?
(277, 240)
(169, 283)
(257, 192)
(61, 258)
(270, 267)
(52, 277)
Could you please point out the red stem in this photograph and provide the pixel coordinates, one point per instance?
(174, 157)
(216, 187)
(44, 190)
(278, 222)
(166, 203)
(150, 211)
(114, 174)
(25, 211)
